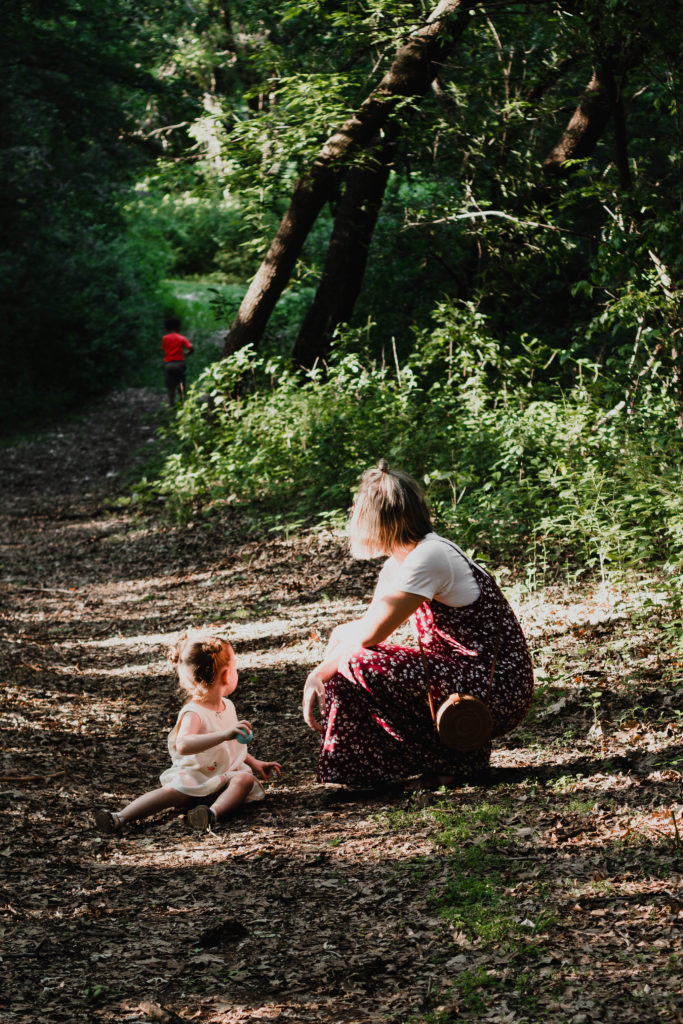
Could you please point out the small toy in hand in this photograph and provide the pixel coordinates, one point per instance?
(244, 737)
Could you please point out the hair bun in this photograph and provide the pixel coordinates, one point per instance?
(383, 466)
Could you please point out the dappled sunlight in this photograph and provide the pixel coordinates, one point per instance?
(477, 276)
(272, 659)
(128, 671)
(556, 609)
(129, 643)
(565, 852)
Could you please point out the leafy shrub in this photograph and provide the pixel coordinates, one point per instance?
(205, 235)
(513, 467)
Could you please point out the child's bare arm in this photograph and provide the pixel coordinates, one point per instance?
(190, 741)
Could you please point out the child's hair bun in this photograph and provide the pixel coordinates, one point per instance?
(196, 656)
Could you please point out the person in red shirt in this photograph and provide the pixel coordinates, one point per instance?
(174, 346)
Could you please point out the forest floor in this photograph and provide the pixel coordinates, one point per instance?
(548, 891)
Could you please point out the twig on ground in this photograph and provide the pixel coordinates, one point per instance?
(31, 778)
(41, 590)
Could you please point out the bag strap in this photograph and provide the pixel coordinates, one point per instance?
(499, 630)
(430, 692)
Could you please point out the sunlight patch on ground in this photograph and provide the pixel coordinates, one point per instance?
(125, 642)
(147, 583)
(273, 659)
(155, 668)
(256, 629)
(558, 607)
(252, 661)
(226, 845)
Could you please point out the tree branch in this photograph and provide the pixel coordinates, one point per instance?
(474, 214)
(415, 66)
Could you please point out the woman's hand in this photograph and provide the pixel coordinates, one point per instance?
(314, 695)
(384, 615)
(264, 769)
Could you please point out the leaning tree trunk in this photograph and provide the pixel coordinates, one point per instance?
(601, 100)
(415, 65)
(585, 127)
(347, 253)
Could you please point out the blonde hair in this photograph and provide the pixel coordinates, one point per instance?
(390, 510)
(197, 658)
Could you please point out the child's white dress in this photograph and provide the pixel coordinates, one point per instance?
(210, 770)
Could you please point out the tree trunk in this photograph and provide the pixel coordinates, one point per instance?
(587, 124)
(415, 65)
(221, 74)
(602, 99)
(620, 139)
(347, 253)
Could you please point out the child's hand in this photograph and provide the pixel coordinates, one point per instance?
(242, 732)
(266, 768)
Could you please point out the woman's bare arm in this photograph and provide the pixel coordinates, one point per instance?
(383, 616)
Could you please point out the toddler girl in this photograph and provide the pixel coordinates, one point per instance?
(207, 744)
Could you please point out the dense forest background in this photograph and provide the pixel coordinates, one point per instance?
(461, 226)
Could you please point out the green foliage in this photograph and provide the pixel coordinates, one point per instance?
(522, 347)
(473, 895)
(81, 269)
(86, 305)
(514, 466)
(205, 234)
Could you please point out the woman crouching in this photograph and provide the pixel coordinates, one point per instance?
(373, 697)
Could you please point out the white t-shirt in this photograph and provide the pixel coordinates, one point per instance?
(435, 568)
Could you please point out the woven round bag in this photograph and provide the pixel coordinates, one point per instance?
(463, 723)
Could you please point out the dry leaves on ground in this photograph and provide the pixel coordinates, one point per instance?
(549, 891)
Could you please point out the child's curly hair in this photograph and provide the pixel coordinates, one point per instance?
(197, 657)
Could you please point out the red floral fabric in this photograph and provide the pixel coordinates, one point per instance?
(377, 723)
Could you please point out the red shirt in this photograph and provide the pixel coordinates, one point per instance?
(174, 346)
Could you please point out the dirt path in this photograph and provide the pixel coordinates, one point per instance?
(549, 893)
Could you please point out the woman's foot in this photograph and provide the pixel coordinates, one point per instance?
(201, 818)
(107, 822)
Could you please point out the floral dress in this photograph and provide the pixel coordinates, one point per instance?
(377, 724)
(210, 770)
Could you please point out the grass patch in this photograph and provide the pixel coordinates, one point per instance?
(473, 891)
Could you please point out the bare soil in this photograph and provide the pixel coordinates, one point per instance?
(549, 891)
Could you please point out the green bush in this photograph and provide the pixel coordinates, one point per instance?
(515, 467)
(205, 235)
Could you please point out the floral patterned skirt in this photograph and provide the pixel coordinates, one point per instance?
(377, 723)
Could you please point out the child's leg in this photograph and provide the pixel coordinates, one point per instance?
(158, 800)
(233, 796)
